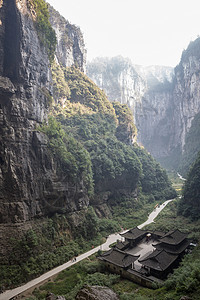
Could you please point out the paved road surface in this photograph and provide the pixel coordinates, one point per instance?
(110, 240)
(181, 177)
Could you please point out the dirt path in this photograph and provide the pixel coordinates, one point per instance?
(45, 277)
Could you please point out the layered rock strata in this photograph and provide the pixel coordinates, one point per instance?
(31, 183)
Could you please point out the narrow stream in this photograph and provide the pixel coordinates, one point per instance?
(110, 240)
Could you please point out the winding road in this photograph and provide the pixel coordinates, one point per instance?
(9, 294)
(181, 177)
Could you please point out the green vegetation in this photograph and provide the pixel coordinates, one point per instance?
(186, 278)
(50, 244)
(177, 183)
(185, 281)
(56, 241)
(155, 182)
(190, 203)
(192, 146)
(91, 119)
(46, 33)
(87, 147)
(73, 157)
(84, 91)
(126, 129)
(70, 281)
(60, 86)
(128, 213)
(169, 219)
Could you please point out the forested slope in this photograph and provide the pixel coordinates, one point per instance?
(70, 169)
(190, 202)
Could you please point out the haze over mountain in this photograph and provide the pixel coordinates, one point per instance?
(148, 32)
(165, 103)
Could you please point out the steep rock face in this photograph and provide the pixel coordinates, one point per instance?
(164, 101)
(175, 103)
(147, 91)
(70, 44)
(186, 93)
(25, 74)
(31, 183)
(153, 115)
(118, 77)
(153, 119)
(183, 110)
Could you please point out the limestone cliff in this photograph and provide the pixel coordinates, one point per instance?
(50, 167)
(164, 101)
(31, 184)
(186, 95)
(154, 112)
(70, 48)
(179, 127)
(146, 90)
(119, 78)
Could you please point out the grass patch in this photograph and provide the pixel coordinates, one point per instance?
(169, 220)
(71, 280)
(90, 271)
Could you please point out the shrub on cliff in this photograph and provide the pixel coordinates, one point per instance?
(73, 157)
(105, 129)
(126, 129)
(154, 179)
(111, 159)
(83, 90)
(189, 205)
(45, 31)
(60, 86)
(186, 279)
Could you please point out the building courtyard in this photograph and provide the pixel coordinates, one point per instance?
(145, 256)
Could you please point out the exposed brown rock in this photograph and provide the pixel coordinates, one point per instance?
(51, 296)
(96, 293)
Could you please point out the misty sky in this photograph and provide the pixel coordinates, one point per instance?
(150, 32)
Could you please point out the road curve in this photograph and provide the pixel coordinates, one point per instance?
(110, 240)
(181, 177)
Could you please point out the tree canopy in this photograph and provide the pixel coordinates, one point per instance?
(190, 203)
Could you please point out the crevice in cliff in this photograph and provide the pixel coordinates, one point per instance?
(78, 55)
(12, 41)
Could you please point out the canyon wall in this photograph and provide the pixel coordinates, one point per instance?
(31, 182)
(63, 145)
(164, 101)
(70, 49)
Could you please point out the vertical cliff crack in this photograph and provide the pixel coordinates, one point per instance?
(12, 41)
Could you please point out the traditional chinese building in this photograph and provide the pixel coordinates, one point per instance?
(159, 263)
(134, 236)
(174, 242)
(130, 258)
(117, 260)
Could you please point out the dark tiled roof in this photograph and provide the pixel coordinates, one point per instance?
(173, 237)
(159, 260)
(174, 249)
(134, 233)
(158, 233)
(122, 245)
(118, 257)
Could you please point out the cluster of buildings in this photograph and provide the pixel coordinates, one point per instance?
(145, 256)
